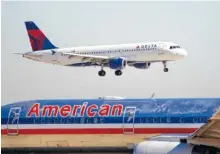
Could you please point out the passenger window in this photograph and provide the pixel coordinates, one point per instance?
(202, 119)
(70, 120)
(82, 120)
(149, 120)
(90, 120)
(163, 120)
(141, 120)
(146, 120)
(195, 120)
(101, 120)
(95, 120)
(37, 120)
(181, 120)
(49, 120)
(154, 120)
(76, 120)
(56, 120)
(43, 121)
(168, 119)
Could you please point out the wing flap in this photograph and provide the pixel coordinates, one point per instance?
(88, 58)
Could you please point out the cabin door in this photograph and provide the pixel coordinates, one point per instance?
(161, 47)
(13, 121)
(128, 120)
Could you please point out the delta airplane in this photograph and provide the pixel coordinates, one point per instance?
(116, 57)
(101, 116)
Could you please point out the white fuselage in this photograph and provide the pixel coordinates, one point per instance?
(137, 52)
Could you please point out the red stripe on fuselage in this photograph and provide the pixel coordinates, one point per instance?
(101, 131)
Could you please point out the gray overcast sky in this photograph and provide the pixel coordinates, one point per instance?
(194, 25)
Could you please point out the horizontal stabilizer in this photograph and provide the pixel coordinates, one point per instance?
(19, 54)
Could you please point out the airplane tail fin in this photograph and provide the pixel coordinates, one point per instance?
(37, 38)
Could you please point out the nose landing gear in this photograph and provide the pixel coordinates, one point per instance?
(165, 67)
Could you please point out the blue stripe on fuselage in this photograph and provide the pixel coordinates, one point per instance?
(110, 120)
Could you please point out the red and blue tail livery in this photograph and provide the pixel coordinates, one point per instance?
(37, 38)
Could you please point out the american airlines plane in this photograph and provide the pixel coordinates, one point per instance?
(107, 116)
(175, 119)
(117, 57)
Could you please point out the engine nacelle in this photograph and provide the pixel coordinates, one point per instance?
(171, 147)
(162, 147)
(142, 65)
(117, 63)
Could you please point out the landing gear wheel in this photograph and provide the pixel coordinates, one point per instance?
(165, 69)
(118, 72)
(102, 73)
(165, 66)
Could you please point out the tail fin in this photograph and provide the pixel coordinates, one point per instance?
(37, 38)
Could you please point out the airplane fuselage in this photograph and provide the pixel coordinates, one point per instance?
(136, 52)
(99, 116)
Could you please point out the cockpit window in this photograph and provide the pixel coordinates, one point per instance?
(174, 47)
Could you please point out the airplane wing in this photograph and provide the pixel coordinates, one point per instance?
(96, 59)
(209, 133)
(89, 58)
(205, 140)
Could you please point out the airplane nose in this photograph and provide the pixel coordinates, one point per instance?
(184, 53)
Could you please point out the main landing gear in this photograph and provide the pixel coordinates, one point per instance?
(103, 73)
(165, 67)
(118, 72)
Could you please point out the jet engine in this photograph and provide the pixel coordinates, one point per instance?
(142, 65)
(169, 147)
(117, 63)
